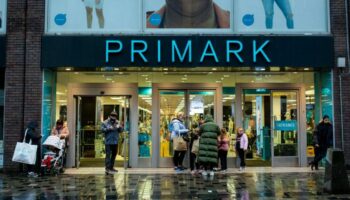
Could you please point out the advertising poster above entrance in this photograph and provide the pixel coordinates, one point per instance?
(183, 16)
(188, 15)
(93, 16)
(3, 6)
(281, 16)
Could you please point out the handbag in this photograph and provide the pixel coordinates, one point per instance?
(25, 152)
(180, 144)
(195, 146)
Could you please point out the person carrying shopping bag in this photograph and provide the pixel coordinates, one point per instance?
(179, 133)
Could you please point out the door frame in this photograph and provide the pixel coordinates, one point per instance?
(103, 89)
(300, 89)
(156, 88)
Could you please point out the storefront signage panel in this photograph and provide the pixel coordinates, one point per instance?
(3, 6)
(290, 125)
(281, 16)
(186, 51)
(2, 51)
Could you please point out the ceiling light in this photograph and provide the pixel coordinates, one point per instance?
(214, 69)
(165, 69)
(116, 98)
(76, 72)
(260, 68)
(68, 69)
(306, 69)
(116, 69)
(144, 75)
(226, 75)
(121, 73)
(295, 72)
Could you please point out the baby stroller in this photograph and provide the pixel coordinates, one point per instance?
(52, 162)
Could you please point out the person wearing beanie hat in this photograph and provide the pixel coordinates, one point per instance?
(323, 139)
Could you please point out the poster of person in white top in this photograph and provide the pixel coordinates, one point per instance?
(90, 16)
(281, 16)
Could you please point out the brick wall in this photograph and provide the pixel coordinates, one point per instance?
(338, 21)
(23, 73)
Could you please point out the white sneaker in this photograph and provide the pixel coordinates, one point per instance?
(205, 173)
(223, 171)
(240, 169)
(211, 173)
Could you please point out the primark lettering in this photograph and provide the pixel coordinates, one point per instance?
(228, 51)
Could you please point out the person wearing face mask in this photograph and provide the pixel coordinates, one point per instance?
(323, 139)
(111, 129)
(190, 14)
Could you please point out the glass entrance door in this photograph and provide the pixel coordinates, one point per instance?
(91, 112)
(285, 118)
(270, 120)
(195, 104)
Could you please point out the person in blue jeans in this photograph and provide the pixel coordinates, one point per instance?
(286, 9)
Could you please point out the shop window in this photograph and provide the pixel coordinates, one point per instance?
(229, 120)
(2, 78)
(145, 122)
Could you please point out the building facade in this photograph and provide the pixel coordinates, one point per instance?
(269, 68)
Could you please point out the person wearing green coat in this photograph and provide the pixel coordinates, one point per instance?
(208, 145)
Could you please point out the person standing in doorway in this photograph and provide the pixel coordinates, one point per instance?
(323, 139)
(89, 6)
(178, 132)
(111, 129)
(33, 135)
(62, 132)
(224, 144)
(208, 145)
(241, 147)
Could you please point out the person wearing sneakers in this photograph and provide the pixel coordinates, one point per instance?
(208, 145)
(111, 129)
(241, 146)
(178, 133)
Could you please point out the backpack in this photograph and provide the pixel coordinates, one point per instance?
(171, 127)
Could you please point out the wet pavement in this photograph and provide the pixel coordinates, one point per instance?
(248, 185)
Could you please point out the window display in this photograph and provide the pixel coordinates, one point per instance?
(145, 125)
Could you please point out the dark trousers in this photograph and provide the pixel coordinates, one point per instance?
(111, 154)
(36, 167)
(179, 158)
(241, 155)
(223, 159)
(193, 162)
(320, 153)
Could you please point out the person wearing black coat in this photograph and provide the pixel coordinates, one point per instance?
(323, 139)
(35, 136)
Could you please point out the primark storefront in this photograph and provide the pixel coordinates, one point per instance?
(270, 74)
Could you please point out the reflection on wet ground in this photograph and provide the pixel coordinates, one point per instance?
(167, 186)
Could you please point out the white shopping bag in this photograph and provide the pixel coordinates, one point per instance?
(25, 152)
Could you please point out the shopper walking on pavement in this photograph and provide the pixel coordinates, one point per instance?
(111, 129)
(323, 139)
(224, 145)
(208, 145)
(35, 137)
(179, 135)
(241, 147)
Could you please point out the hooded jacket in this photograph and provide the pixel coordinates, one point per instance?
(111, 131)
(179, 128)
(208, 142)
(32, 133)
(323, 135)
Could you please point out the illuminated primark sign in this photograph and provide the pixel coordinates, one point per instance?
(186, 51)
